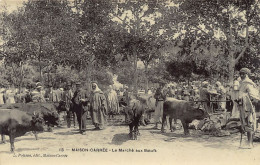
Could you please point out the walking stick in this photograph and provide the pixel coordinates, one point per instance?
(241, 138)
(212, 101)
(81, 113)
(242, 115)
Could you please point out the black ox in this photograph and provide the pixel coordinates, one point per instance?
(15, 123)
(134, 114)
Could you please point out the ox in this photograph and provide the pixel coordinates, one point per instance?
(183, 110)
(15, 123)
(48, 111)
(134, 114)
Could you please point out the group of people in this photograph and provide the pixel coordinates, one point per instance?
(80, 103)
(95, 104)
(212, 96)
(240, 99)
(12, 95)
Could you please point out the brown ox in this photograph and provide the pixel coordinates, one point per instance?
(183, 110)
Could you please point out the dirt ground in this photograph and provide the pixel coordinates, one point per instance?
(113, 146)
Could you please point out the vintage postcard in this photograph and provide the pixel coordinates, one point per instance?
(129, 82)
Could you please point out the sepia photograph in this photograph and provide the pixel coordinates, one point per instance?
(130, 82)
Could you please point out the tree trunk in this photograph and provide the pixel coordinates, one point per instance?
(146, 78)
(89, 74)
(135, 69)
(40, 70)
(48, 77)
(22, 76)
(39, 58)
(231, 67)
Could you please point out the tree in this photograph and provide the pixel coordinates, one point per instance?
(137, 18)
(149, 47)
(228, 25)
(40, 31)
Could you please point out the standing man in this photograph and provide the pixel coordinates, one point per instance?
(80, 107)
(112, 101)
(98, 107)
(2, 96)
(235, 95)
(37, 96)
(126, 95)
(10, 94)
(59, 94)
(171, 91)
(248, 95)
(186, 93)
(222, 96)
(68, 95)
(205, 97)
(160, 98)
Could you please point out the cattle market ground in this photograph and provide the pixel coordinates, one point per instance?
(66, 145)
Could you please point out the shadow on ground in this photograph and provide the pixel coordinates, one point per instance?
(27, 138)
(152, 128)
(19, 150)
(119, 139)
(67, 133)
(204, 139)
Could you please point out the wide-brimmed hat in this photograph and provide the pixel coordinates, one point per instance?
(245, 70)
(218, 83)
(204, 83)
(38, 84)
(93, 82)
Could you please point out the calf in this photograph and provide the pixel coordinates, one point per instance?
(134, 114)
(183, 110)
(15, 123)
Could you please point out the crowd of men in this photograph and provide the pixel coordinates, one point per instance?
(238, 98)
(74, 104)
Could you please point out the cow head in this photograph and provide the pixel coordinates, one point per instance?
(129, 114)
(85, 103)
(37, 122)
(199, 113)
(134, 111)
(51, 118)
(61, 107)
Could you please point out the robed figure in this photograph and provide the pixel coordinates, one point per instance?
(248, 96)
(98, 107)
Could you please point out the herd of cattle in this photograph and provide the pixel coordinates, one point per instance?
(19, 118)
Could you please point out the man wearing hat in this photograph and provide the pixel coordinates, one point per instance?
(205, 96)
(68, 95)
(222, 95)
(37, 95)
(80, 107)
(160, 97)
(248, 95)
(126, 95)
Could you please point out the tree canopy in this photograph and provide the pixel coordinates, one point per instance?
(68, 41)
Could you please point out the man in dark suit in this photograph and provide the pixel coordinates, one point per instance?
(80, 107)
